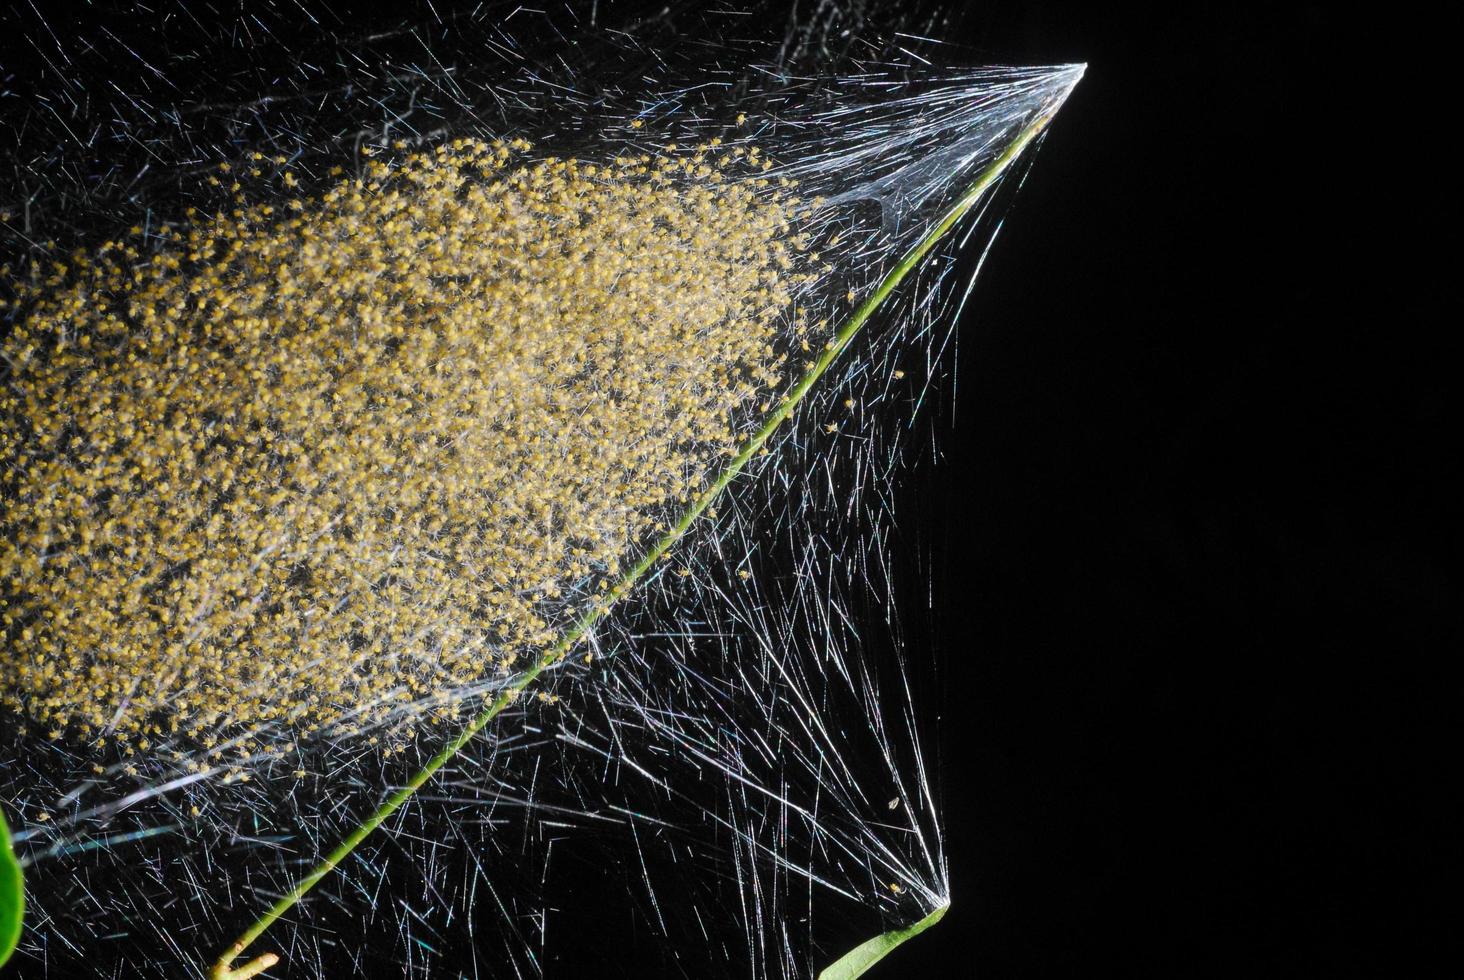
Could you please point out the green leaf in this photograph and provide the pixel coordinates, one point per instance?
(853, 963)
(12, 895)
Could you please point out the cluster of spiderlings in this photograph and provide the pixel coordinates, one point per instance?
(312, 462)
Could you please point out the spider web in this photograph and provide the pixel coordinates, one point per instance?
(738, 752)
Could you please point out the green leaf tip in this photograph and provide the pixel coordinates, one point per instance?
(12, 895)
(859, 959)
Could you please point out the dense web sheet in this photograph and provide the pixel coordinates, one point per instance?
(745, 734)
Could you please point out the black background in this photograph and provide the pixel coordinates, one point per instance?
(1184, 555)
(1189, 542)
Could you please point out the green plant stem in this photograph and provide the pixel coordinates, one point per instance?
(222, 968)
(12, 894)
(859, 959)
